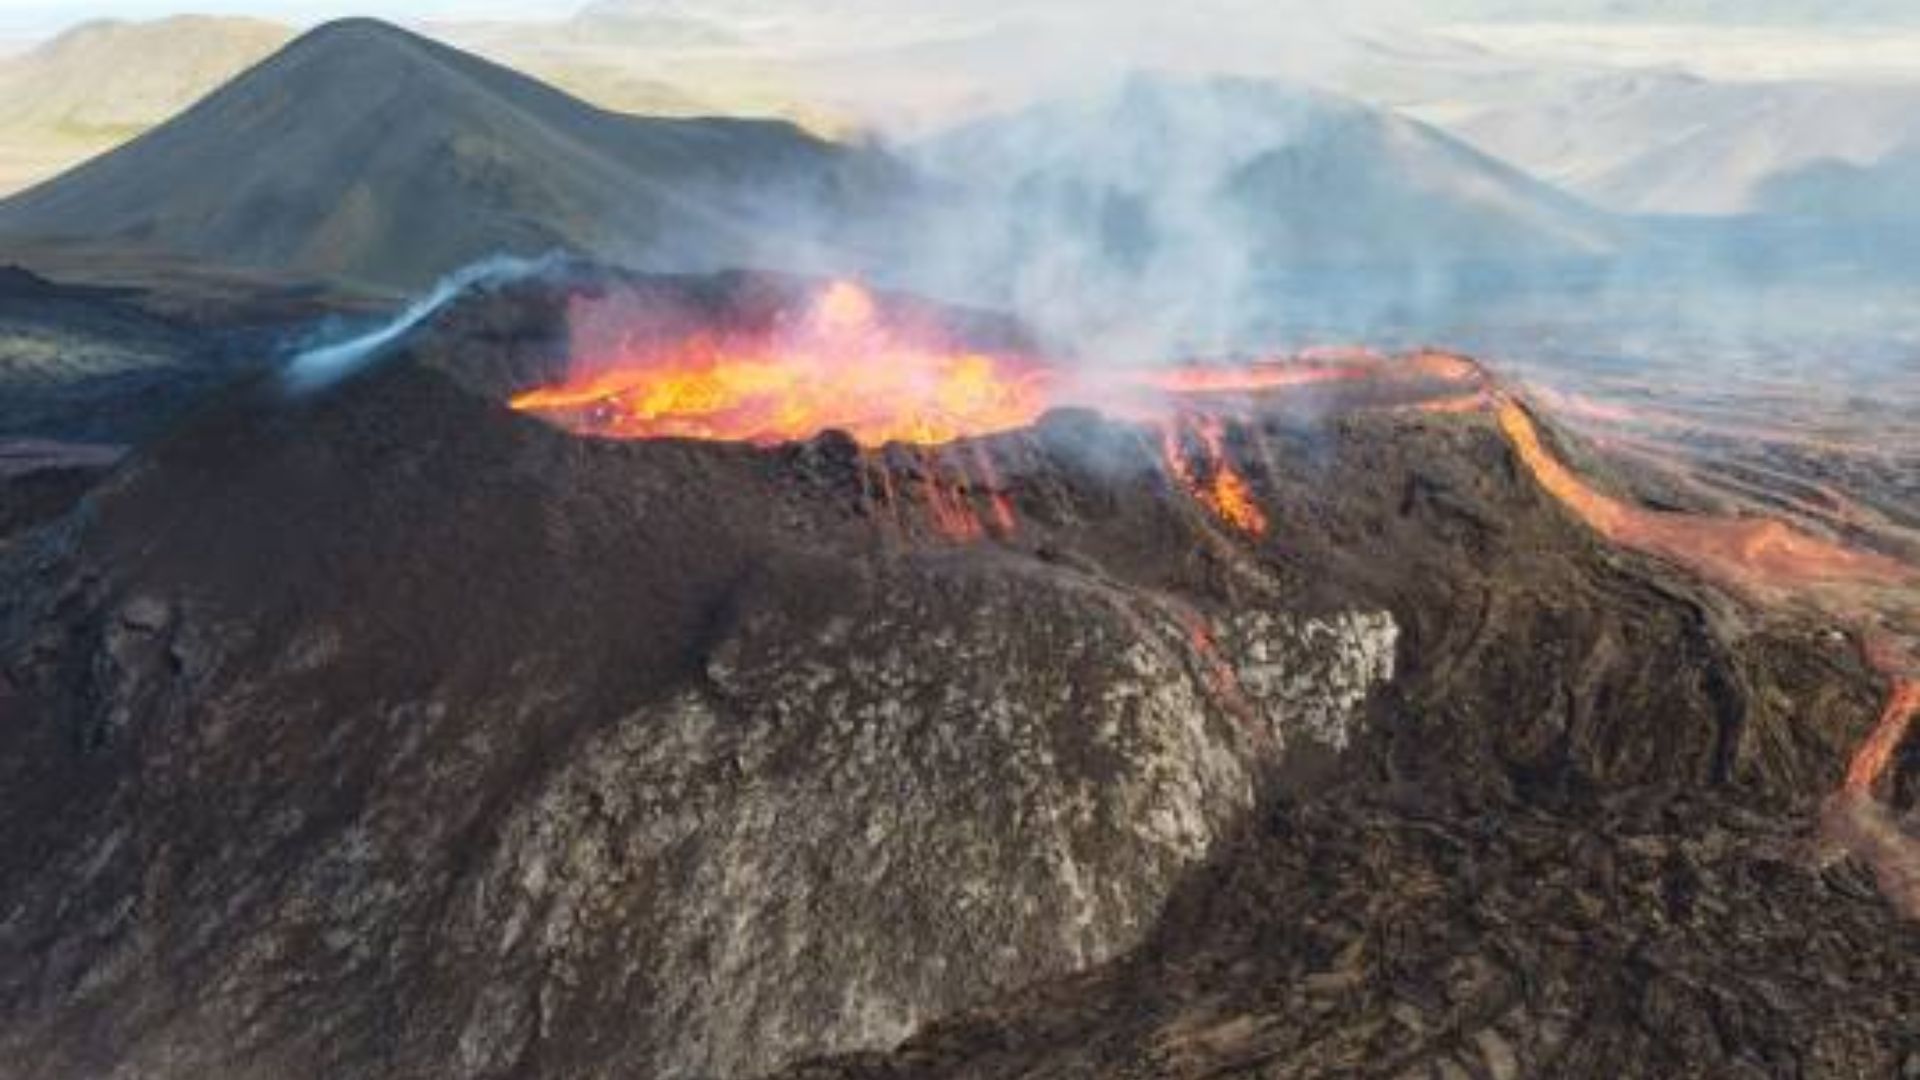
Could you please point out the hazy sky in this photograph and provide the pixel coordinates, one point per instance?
(41, 16)
(45, 16)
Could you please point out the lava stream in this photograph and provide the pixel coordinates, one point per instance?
(1873, 759)
(1769, 558)
(1212, 480)
(1757, 555)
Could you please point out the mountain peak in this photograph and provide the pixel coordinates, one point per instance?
(357, 29)
(355, 36)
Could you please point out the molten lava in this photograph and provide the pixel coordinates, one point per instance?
(842, 366)
(1871, 761)
(847, 363)
(1210, 477)
(1760, 556)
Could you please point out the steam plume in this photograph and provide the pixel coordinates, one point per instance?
(322, 366)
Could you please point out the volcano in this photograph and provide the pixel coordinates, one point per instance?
(388, 728)
(365, 152)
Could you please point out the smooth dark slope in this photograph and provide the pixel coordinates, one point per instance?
(365, 151)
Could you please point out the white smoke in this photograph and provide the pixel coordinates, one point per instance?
(1107, 221)
(324, 365)
(1139, 183)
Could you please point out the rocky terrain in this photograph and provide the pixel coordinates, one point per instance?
(1641, 933)
(381, 730)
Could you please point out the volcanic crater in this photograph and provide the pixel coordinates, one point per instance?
(416, 726)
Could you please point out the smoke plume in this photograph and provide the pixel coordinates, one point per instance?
(323, 365)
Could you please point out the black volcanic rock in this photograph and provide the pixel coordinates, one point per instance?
(1647, 933)
(117, 365)
(387, 732)
(365, 152)
(87, 363)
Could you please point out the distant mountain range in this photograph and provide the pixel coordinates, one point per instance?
(1304, 173)
(1623, 123)
(101, 83)
(1099, 216)
(1881, 192)
(1671, 143)
(366, 154)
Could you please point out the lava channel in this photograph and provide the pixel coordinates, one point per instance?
(1770, 560)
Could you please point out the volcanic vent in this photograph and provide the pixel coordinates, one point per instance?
(395, 728)
(789, 366)
(836, 364)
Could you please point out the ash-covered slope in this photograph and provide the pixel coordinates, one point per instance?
(118, 364)
(84, 363)
(388, 732)
(364, 151)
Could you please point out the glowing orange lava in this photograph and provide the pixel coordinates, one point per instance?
(1871, 761)
(846, 363)
(1759, 555)
(1312, 368)
(1212, 480)
(1249, 378)
(843, 366)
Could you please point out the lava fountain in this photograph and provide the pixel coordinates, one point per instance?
(842, 366)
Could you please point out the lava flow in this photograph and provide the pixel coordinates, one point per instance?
(1762, 557)
(1211, 480)
(1772, 560)
(1873, 759)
